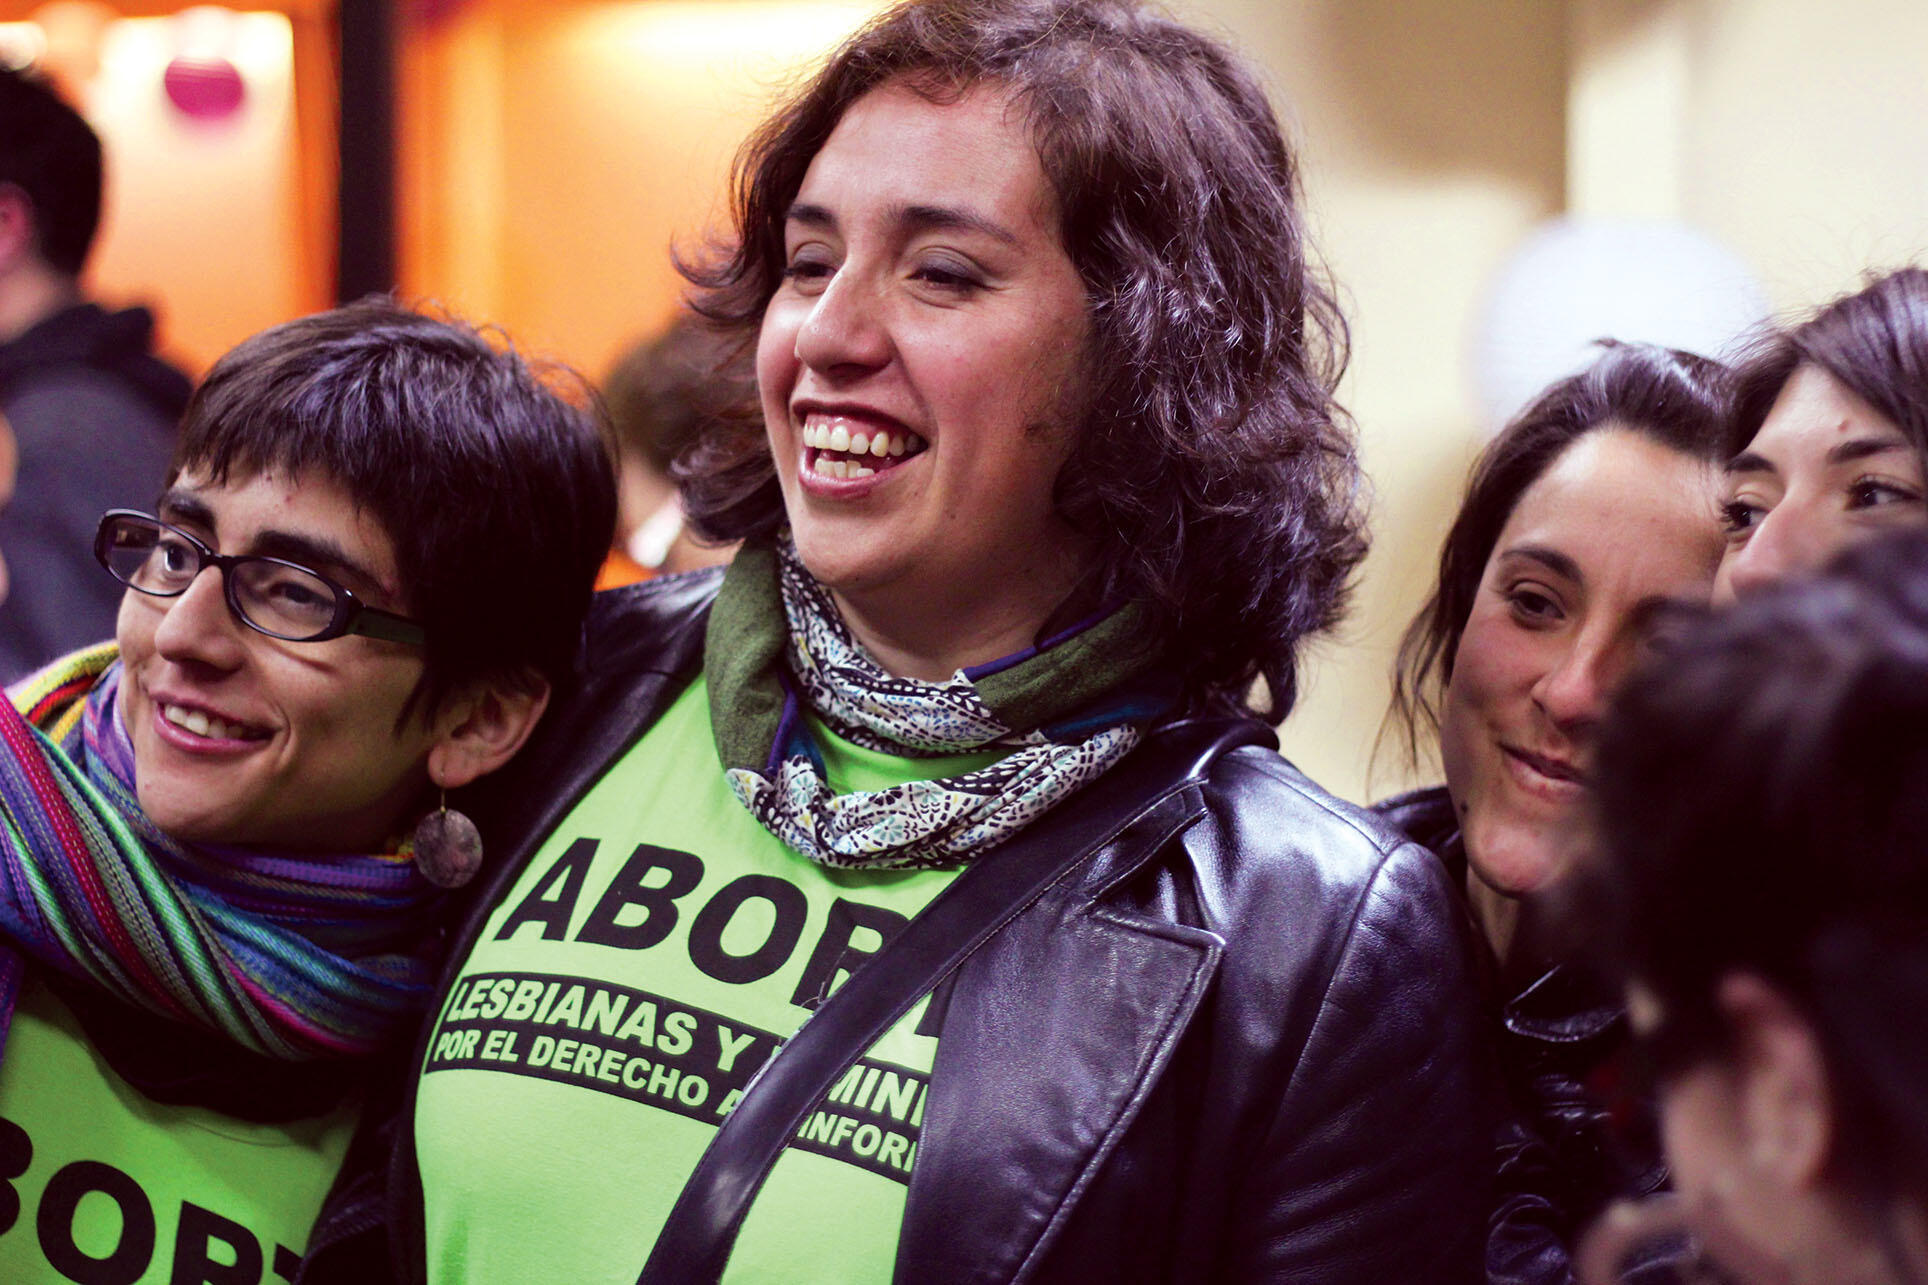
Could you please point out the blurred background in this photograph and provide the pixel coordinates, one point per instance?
(1493, 183)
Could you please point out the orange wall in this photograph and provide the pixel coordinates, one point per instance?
(553, 153)
(203, 220)
(214, 226)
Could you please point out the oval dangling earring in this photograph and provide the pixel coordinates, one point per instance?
(448, 847)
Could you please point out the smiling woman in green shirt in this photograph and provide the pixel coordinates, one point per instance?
(956, 785)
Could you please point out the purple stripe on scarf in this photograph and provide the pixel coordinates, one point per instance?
(990, 667)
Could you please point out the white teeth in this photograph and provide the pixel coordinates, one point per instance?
(201, 724)
(834, 434)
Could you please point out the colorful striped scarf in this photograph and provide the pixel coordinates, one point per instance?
(291, 956)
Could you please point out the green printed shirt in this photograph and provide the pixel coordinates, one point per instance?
(655, 952)
(97, 1183)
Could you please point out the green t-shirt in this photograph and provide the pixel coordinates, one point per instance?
(99, 1184)
(655, 952)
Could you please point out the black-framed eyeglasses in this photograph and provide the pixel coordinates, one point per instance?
(280, 599)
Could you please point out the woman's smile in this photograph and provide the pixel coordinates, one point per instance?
(244, 739)
(921, 369)
(842, 447)
(199, 729)
(1549, 777)
(1616, 528)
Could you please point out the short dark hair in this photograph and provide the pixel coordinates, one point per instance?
(1761, 805)
(1675, 398)
(50, 153)
(1874, 342)
(1214, 472)
(497, 492)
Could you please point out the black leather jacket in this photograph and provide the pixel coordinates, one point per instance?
(1260, 1003)
(1565, 1151)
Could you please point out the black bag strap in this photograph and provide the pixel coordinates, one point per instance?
(695, 1243)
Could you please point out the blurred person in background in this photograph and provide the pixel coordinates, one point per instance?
(1758, 884)
(659, 396)
(93, 409)
(1829, 435)
(1586, 521)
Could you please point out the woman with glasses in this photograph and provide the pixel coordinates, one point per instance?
(363, 582)
(1758, 888)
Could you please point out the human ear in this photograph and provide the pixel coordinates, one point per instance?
(17, 234)
(1785, 1109)
(482, 728)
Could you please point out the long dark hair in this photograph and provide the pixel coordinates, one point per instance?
(1676, 398)
(1214, 471)
(1874, 342)
(1762, 806)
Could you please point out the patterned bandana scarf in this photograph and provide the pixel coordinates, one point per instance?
(1067, 710)
(292, 957)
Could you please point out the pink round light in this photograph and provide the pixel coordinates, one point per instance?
(204, 88)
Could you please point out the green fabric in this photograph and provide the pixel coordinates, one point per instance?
(741, 652)
(219, 1191)
(1071, 675)
(646, 945)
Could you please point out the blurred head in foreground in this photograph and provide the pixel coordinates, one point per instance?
(1761, 888)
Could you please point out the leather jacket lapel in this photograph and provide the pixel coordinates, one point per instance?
(1004, 1156)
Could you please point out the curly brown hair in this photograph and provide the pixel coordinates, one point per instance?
(1214, 471)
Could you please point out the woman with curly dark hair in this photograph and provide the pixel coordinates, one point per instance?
(958, 772)
(1586, 521)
